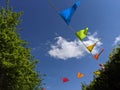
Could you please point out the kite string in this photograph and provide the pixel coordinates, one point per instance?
(53, 6)
(101, 51)
(71, 28)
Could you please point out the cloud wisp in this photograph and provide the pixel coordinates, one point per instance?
(64, 49)
(117, 40)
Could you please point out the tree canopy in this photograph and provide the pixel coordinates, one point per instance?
(108, 78)
(17, 65)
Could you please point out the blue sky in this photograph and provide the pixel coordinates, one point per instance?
(43, 28)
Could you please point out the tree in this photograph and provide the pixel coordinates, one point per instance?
(108, 79)
(17, 65)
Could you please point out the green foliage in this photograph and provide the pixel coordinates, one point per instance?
(108, 79)
(17, 65)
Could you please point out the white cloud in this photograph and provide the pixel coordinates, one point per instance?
(64, 49)
(117, 39)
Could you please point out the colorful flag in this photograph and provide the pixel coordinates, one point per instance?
(68, 13)
(90, 47)
(43, 88)
(102, 66)
(96, 56)
(65, 79)
(80, 75)
(97, 73)
(82, 34)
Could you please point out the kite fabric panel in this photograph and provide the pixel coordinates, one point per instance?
(68, 13)
(82, 34)
(96, 56)
(80, 75)
(65, 79)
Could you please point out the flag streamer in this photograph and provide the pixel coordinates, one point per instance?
(80, 75)
(96, 56)
(66, 16)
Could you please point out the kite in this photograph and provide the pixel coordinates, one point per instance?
(80, 75)
(96, 56)
(97, 73)
(67, 13)
(65, 79)
(82, 33)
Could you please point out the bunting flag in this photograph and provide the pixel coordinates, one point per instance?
(43, 88)
(90, 47)
(65, 79)
(97, 73)
(82, 34)
(96, 56)
(68, 13)
(102, 66)
(80, 75)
